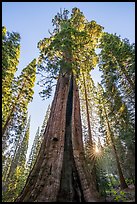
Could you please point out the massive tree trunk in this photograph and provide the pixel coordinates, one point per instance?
(60, 173)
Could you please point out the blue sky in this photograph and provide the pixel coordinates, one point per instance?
(33, 20)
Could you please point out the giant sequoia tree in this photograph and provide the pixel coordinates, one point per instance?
(60, 166)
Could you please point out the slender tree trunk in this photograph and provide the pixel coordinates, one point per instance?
(123, 184)
(93, 172)
(59, 173)
(87, 110)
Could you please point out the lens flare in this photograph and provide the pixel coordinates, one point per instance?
(94, 151)
(97, 151)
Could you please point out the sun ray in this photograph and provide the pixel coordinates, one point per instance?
(94, 152)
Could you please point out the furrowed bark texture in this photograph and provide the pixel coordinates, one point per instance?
(89, 190)
(59, 173)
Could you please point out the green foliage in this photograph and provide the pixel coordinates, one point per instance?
(70, 48)
(10, 60)
(22, 96)
(117, 59)
(17, 92)
(129, 181)
(120, 196)
(117, 62)
(102, 181)
(10, 55)
(15, 179)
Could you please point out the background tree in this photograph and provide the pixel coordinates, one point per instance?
(10, 60)
(37, 143)
(110, 134)
(16, 120)
(117, 63)
(89, 120)
(23, 94)
(118, 57)
(17, 92)
(33, 153)
(16, 175)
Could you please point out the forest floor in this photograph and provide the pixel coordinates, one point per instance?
(118, 195)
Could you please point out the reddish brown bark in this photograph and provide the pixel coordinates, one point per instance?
(49, 174)
(93, 172)
(87, 110)
(88, 186)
